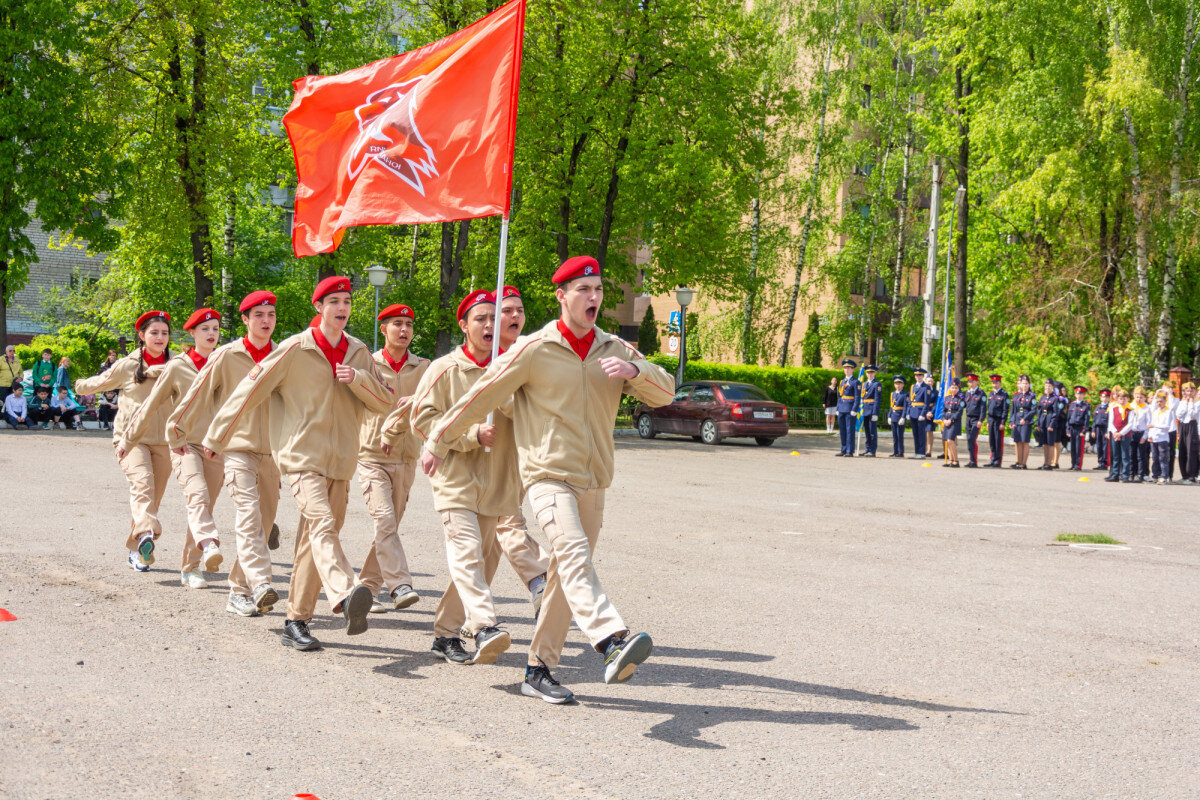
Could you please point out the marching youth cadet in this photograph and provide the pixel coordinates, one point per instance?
(386, 473)
(1024, 415)
(474, 487)
(199, 478)
(522, 550)
(897, 416)
(1100, 438)
(974, 406)
(1079, 419)
(951, 421)
(251, 477)
(566, 382)
(872, 396)
(1120, 429)
(147, 465)
(1047, 418)
(323, 377)
(917, 398)
(997, 415)
(848, 404)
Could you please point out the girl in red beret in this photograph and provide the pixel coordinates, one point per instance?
(147, 464)
(199, 477)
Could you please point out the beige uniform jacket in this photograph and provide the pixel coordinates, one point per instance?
(150, 420)
(319, 417)
(121, 376)
(470, 477)
(190, 420)
(563, 408)
(370, 437)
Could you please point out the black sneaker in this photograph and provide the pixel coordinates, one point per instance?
(972, 465)
(451, 648)
(296, 636)
(490, 642)
(540, 683)
(355, 608)
(622, 656)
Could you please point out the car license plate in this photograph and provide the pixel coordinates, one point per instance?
(764, 415)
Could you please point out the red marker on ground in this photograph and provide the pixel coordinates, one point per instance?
(7, 616)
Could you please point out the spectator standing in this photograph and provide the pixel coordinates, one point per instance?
(62, 377)
(1187, 413)
(66, 410)
(1139, 444)
(831, 398)
(1158, 434)
(16, 410)
(11, 372)
(106, 409)
(43, 371)
(108, 362)
(40, 410)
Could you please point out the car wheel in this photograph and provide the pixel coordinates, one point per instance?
(764, 441)
(709, 433)
(645, 427)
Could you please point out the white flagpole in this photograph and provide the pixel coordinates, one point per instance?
(499, 298)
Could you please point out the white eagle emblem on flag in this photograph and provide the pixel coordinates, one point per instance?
(388, 135)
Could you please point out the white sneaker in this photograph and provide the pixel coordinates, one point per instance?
(381, 602)
(241, 605)
(136, 563)
(193, 579)
(403, 596)
(211, 558)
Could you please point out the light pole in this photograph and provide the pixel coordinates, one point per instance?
(683, 296)
(377, 275)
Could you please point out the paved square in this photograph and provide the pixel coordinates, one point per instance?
(824, 628)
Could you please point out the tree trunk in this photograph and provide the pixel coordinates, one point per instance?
(749, 356)
(1141, 238)
(814, 193)
(902, 212)
(190, 158)
(962, 89)
(1174, 196)
(614, 175)
(451, 277)
(3, 303)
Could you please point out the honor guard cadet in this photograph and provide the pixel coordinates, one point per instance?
(1024, 416)
(917, 398)
(997, 415)
(897, 415)
(1100, 431)
(849, 401)
(931, 400)
(872, 396)
(974, 408)
(1079, 419)
(1047, 422)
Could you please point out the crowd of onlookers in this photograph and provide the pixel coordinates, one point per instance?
(48, 400)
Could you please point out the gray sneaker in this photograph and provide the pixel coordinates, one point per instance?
(241, 605)
(403, 596)
(537, 591)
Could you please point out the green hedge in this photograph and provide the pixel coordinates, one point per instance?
(83, 344)
(800, 387)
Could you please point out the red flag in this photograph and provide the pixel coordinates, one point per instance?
(425, 136)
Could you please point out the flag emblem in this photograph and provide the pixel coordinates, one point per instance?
(388, 136)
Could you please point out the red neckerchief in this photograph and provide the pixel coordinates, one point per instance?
(197, 359)
(580, 346)
(333, 354)
(395, 365)
(150, 360)
(255, 353)
(471, 358)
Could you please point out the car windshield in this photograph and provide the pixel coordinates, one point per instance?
(733, 391)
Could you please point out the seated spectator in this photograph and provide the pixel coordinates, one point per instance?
(40, 410)
(62, 378)
(43, 371)
(66, 410)
(16, 410)
(11, 372)
(106, 410)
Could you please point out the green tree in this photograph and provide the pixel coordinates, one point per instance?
(648, 341)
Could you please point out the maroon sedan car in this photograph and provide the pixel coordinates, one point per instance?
(710, 411)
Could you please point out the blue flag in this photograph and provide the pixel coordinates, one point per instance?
(862, 371)
(946, 379)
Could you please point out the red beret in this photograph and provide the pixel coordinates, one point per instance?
(334, 283)
(316, 322)
(473, 299)
(510, 291)
(259, 298)
(397, 310)
(577, 267)
(149, 315)
(200, 315)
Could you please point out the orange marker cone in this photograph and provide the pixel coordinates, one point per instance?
(7, 616)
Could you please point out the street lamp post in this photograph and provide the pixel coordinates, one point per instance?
(683, 296)
(377, 275)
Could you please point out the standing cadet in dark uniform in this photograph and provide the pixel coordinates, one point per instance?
(916, 412)
(1079, 419)
(974, 406)
(1047, 419)
(1024, 414)
(1100, 431)
(931, 398)
(897, 416)
(1060, 423)
(952, 415)
(849, 399)
(997, 414)
(872, 396)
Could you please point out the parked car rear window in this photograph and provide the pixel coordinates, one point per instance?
(734, 392)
